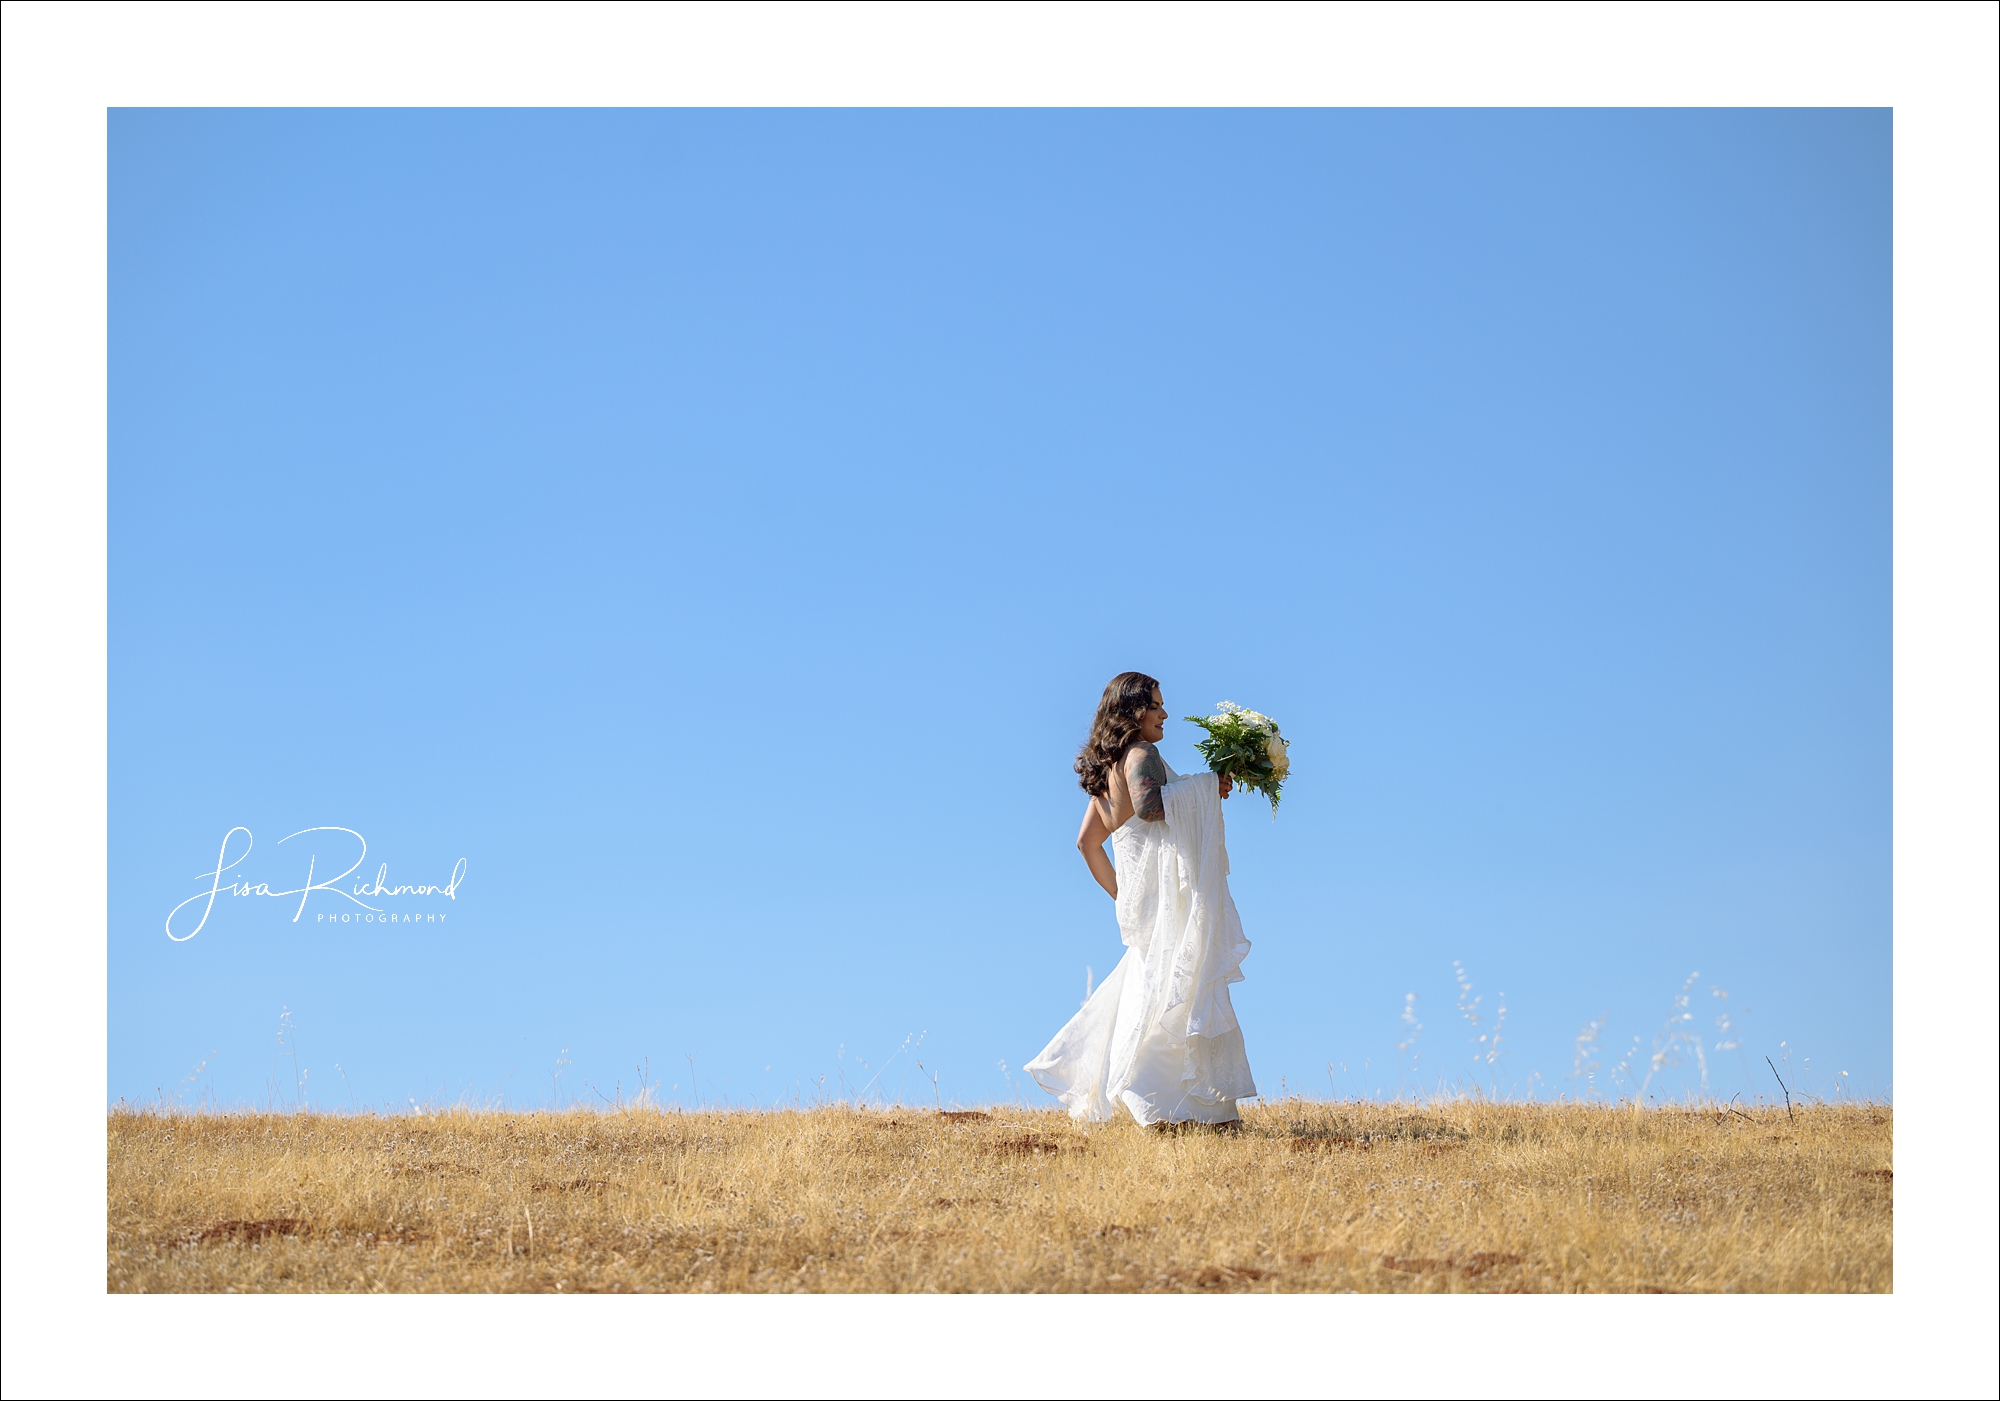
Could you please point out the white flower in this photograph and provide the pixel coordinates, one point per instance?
(1281, 763)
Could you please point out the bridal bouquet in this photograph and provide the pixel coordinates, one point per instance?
(1247, 747)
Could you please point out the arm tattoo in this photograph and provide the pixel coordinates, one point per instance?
(1147, 777)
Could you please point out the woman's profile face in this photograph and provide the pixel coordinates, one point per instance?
(1153, 721)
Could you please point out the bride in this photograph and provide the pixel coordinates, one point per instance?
(1158, 1037)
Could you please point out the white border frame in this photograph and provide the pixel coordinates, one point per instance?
(65, 65)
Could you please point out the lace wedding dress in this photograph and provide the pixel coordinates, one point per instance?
(1159, 1036)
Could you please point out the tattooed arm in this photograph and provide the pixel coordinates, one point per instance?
(1146, 775)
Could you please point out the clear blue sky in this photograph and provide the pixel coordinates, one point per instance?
(716, 528)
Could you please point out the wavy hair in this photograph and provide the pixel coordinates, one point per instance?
(1115, 730)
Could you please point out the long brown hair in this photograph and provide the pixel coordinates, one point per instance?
(1115, 730)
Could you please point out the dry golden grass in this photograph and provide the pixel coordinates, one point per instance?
(1455, 1197)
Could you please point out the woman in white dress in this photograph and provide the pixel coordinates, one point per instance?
(1158, 1038)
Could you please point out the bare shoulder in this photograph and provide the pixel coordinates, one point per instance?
(1144, 758)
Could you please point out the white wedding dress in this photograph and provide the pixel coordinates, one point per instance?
(1159, 1037)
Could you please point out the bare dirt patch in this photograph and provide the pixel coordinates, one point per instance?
(251, 1230)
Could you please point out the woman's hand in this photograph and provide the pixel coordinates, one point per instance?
(1223, 785)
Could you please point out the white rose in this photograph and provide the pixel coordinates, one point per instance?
(1281, 764)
